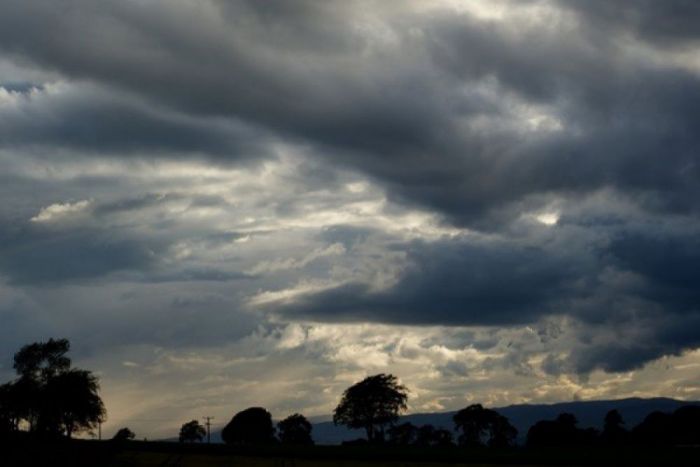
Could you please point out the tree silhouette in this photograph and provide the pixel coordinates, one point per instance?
(373, 403)
(656, 428)
(481, 426)
(560, 432)
(53, 398)
(10, 408)
(686, 425)
(191, 432)
(429, 436)
(36, 365)
(404, 434)
(124, 434)
(296, 430)
(501, 433)
(252, 426)
(75, 402)
(41, 361)
(681, 427)
(613, 430)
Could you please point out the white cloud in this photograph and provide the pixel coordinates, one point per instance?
(60, 210)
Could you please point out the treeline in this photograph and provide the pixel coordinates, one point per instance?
(682, 427)
(375, 403)
(51, 399)
(254, 427)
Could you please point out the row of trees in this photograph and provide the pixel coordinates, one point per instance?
(49, 396)
(253, 426)
(375, 403)
(681, 427)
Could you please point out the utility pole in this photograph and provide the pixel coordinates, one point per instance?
(208, 425)
(99, 430)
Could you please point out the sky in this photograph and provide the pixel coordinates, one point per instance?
(225, 204)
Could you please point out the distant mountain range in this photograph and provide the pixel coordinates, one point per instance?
(523, 416)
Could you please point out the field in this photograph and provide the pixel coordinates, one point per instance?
(153, 454)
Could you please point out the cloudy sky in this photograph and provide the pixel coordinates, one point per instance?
(234, 203)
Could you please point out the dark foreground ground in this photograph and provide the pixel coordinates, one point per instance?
(152, 454)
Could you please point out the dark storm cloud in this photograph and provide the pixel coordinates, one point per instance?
(666, 23)
(93, 120)
(400, 117)
(456, 283)
(35, 254)
(632, 288)
(668, 262)
(629, 346)
(479, 121)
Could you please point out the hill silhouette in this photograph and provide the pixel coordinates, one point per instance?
(522, 416)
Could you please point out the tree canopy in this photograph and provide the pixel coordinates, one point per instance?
(613, 430)
(192, 431)
(50, 396)
(296, 430)
(372, 404)
(479, 426)
(124, 434)
(41, 361)
(252, 426)
(561, 431)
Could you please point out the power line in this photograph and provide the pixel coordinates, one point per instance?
(208, 425)
(128, 419)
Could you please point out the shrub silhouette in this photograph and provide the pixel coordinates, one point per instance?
(404, 434)
(295, 430)
(429, 436)
(252, 426)
(407, 434)
(372, 404)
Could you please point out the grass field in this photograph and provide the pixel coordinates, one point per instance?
(201, 460)
(153, 454)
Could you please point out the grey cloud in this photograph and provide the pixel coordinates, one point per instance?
(439, 109)
(666, 23)
(154, 200)
(630, 288)
(204, 274)
(93, 120)
(668, 261)
(400, 117)
(630, 345)
(40, 255)
(21, 87)
(455, 282)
